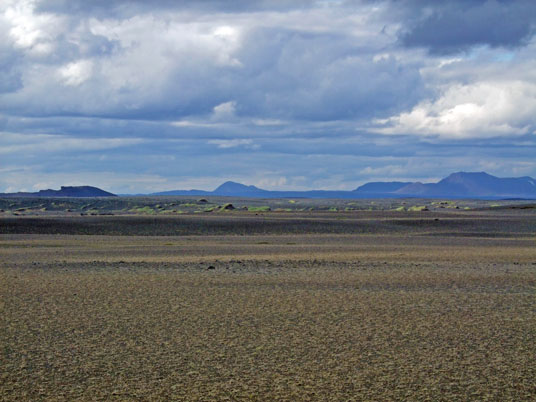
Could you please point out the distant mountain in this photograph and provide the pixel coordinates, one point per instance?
(457, 185)
(469, 184)
(229, 188)
(64, 191)
(237, 189)
(233, 189)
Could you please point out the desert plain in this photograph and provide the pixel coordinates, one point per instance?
(267, 300)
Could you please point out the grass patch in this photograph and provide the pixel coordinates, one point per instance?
(418, 208)
(144, 210)
(264, 208)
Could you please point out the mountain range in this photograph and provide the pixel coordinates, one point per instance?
(457, 185)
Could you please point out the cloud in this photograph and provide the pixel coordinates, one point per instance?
(76, 73)
(454, 26)
(33, 32)
(177, 65)
(103, 8)
(13, 143)
(268, 122)
(10, 77)
(224, 111)
(212, 89)
(479, 110)
(226, 144)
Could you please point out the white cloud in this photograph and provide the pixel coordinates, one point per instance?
(224, 111)
(272, 182)
(76, 73)
(222, 115)
(478, 110)
(190, 123)
(384, 171)
(153, 46)
(228, 42)
(234, 143)
(446, 62)
(33, 32)
(268, 122)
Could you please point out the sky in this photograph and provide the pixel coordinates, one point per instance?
(138, 96)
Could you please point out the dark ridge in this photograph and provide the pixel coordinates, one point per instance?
(65, 191)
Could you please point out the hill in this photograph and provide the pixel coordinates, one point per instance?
(239, 190)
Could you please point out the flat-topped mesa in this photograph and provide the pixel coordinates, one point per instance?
(66, 191)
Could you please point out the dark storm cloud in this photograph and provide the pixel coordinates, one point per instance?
(445, 27)
(10, 60)
(10, 75)
(312, 76)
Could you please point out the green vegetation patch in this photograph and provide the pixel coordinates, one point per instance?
(418, 208)
(144, 210)
(264, 208)
(443, 203)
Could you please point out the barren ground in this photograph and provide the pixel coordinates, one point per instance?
(353, 305)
